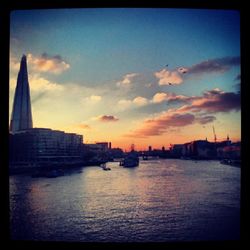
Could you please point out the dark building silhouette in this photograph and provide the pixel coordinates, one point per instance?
(43, 145)
(37, 146)
(104, 146)
(21, 117)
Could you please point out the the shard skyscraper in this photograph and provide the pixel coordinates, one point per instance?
(21, 117)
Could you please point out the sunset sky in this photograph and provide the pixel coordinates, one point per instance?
(141, 76)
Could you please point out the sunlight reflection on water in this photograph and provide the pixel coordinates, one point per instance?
(161, 200)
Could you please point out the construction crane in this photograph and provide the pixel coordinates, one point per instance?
(214, 135)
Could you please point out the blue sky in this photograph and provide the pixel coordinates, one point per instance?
(112, 56)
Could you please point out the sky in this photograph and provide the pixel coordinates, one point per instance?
(148, 77)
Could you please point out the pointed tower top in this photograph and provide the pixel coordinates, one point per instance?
(21, 117)
(23, 64)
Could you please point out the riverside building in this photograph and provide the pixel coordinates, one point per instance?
(37, 146)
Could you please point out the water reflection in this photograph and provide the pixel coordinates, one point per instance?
(158, 201)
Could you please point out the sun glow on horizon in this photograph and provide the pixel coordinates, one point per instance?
(119, 79)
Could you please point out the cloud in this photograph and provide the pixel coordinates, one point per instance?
(168, 78)
(170, 98)
(45, 63)
(93, 99)
(205, 119)
(40, 84)
(12, 84)
(106, 118)
(159, 97)
(127, 80)
(136, 102)
(183, 70)
(14, 63)
(140, 101)
(124, 104)
(159, 125)
(84, 126)
(156, 99)
(180, 98)
(214, 101)
(215, 91)
(218, 65)
(197, 111)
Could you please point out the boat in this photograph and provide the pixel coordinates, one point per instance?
(104, 167)
(131, 160)
(235, 163)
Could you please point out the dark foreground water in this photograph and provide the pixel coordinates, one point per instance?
(161, 200)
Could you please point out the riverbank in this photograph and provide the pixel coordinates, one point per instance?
(32, 168)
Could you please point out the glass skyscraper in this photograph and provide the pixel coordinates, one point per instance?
(21, 117)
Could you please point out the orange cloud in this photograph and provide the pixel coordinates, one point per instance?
(45, 63)
(212, 101)
(159, 97)
(140, 101)
(159, 125)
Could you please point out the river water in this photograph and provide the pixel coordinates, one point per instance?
(159, 201)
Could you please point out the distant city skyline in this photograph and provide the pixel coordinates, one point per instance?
(143, 76)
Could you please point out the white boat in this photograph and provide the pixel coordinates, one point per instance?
(104, 167)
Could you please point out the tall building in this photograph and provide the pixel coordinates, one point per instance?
(40, 146)
(21, 117)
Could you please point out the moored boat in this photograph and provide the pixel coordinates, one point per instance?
(104, 167)
(235, 163)
(131, 160)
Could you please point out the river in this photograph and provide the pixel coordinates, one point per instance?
(161, 200)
